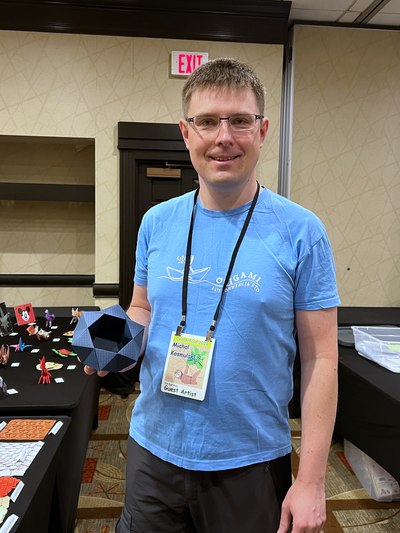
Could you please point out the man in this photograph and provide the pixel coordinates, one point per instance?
(225, 279)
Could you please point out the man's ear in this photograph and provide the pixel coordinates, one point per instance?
(264, 129)
(185, 131)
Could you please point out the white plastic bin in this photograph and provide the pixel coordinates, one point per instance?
(379, 484)
(379, 344)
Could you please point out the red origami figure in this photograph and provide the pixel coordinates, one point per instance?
(45, 375)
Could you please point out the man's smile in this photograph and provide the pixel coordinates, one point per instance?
(223, 157)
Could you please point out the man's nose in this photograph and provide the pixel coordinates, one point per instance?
(224, 133)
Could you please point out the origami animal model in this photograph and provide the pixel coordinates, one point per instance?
(76, 315)
(42, 335)
(20, 347)
(49, 318)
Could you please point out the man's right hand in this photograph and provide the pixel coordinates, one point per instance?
(101, 373)
(89, 371)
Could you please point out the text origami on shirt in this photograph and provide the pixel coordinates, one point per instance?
(107, 339)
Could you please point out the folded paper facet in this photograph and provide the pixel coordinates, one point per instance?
(107, 339)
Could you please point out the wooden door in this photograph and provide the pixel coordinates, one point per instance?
(154, 167)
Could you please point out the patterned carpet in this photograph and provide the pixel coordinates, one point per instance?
(350, 509)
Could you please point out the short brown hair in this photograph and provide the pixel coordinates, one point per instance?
(225, 73)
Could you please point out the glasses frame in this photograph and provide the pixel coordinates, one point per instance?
(190, 120)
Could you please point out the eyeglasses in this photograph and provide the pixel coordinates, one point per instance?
(239, 123)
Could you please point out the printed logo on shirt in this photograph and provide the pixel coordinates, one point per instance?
(199, 275)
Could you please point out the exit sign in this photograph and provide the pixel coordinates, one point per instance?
(184, 63)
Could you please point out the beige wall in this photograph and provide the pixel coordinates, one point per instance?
(81, 86)
(345, 160)
(346, 153)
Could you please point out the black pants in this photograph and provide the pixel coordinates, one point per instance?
(163, 498)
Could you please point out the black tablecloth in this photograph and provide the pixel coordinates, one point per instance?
(76, 397)
(37, 500)
(369, 395)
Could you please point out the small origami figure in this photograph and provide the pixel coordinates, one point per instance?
(76, 315)
(32, 329)
(64, 352)
(4, 354)
(20, 347)
(42, 335)
(49, 318)
(45, 375)
(3, 388)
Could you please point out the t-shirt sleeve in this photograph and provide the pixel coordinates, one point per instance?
(315, 284)
(140, 277)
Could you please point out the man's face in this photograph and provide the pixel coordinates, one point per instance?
(224, 159)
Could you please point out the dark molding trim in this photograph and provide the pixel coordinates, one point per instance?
(350, 25)
(147, 131)
(368, 316)
(106, 290)
(47, 192)
(46, 280)
(253, 21)
(100, 290)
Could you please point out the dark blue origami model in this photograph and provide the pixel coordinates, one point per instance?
(107, 339)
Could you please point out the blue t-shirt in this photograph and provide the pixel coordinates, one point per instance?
(284, 263)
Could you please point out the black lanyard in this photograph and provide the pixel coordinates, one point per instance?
(185, 285)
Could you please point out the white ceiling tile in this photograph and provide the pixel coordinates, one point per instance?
(317, 15)
(360, 5)
(340, 5)
(348, 16)
(386, 19)
(391, 7)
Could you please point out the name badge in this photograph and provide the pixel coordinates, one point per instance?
(187, 367)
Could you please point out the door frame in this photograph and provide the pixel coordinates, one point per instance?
(137, 142)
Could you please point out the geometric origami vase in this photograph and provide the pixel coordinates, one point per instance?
(107, 339)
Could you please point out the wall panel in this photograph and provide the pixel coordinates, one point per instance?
(346, 153)
(65, 85)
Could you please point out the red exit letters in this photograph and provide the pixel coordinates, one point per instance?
(184, 63)
(188, 62)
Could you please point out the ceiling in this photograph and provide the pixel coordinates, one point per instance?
(354, 12)
(250, 21)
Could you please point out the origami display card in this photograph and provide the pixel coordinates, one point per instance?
(6, 326)
(24, 314)
(108, 339)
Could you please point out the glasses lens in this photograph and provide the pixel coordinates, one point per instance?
(242, 122)
(206, 122)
